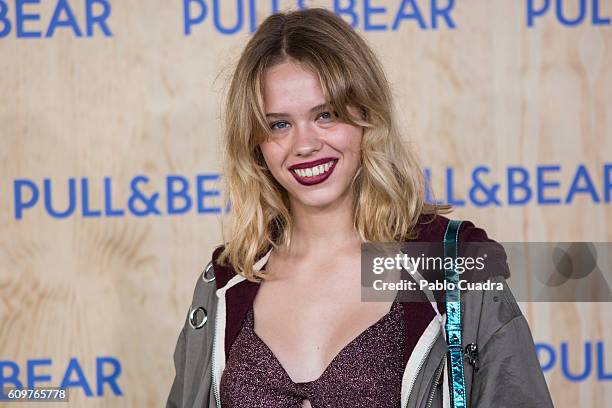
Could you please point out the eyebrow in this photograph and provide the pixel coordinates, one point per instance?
(312, 110)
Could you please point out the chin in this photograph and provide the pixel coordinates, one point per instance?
(319, 198)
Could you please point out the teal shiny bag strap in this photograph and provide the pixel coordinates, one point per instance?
(453, 318)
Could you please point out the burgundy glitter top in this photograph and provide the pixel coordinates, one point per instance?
(367, 372)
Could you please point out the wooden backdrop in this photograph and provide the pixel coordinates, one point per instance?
(511, 84)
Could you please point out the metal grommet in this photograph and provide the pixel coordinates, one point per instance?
(206, 270)
(197, 317)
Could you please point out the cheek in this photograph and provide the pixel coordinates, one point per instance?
(273, 154)
(349, 140)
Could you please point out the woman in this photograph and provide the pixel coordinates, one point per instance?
(315, 166)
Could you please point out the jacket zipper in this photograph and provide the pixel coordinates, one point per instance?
(213, 365)
(418, 370)
(221, 309)
(435, 384)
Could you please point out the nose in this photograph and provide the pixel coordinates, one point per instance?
(306, 140)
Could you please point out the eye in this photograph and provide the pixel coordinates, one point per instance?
(326, 116)
(281, 124)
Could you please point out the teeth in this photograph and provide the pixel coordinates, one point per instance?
(314, 171)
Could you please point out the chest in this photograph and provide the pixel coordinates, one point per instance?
(364, 372)
(307, 322)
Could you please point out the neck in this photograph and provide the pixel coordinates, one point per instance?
(322, 230)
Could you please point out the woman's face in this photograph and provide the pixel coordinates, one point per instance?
(310, 153)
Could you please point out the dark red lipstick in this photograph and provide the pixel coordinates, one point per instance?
(304, 172)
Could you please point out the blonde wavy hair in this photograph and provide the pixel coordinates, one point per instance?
(389, 187)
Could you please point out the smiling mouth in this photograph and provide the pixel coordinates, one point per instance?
(315, 174)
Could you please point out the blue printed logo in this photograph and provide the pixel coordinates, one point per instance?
(589, 364)
(106, 376)
(363, 14)
(520, 186)
(180, 197)
(565, 12)
(25, 19)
